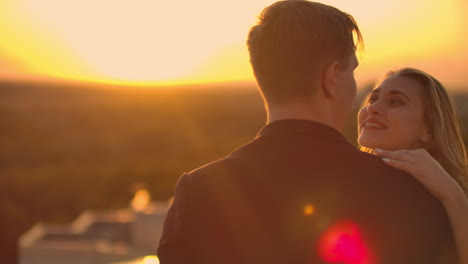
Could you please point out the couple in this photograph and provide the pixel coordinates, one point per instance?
(299, 192)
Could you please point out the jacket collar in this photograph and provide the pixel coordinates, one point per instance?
(291, 127)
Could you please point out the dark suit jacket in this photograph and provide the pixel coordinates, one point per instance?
(300, 193)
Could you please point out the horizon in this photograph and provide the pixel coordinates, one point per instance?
(95, 85)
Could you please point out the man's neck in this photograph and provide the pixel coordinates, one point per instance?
(315, 112)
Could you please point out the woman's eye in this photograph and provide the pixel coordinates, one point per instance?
(371, 100)
(396, 102)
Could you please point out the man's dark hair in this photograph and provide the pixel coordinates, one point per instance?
(293, 41)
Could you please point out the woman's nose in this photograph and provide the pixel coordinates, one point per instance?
(374, 108)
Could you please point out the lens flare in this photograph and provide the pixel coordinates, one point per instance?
(141, 200)
(309, 209)
(342, 243)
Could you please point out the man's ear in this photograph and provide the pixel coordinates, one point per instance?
(329, 79)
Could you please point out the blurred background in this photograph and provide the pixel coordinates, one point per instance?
(101, 100)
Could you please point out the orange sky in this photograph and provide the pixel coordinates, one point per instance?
(163, 42)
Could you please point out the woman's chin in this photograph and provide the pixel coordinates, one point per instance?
(378, 144)
(371, 145)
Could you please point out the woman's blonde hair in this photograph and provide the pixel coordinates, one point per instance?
(442, 118)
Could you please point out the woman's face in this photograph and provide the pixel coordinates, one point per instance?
(393, 118)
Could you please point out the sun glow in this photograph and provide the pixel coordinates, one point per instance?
(150, 260)
(171, 42)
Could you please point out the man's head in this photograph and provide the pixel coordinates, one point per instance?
(299, 47)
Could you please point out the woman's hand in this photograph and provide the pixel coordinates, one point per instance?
(426, 170)
(430, 173)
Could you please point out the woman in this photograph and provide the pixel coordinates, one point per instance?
(410, 121)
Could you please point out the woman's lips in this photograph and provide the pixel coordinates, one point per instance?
(373, 125)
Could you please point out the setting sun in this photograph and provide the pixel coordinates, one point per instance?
(164, 42)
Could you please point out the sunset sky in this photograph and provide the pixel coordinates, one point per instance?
(174, 42)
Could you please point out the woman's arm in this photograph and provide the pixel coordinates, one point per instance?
(430, 173)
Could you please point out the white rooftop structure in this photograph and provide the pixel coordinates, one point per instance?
(122, 236)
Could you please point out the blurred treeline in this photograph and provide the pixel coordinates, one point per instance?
(67, 148)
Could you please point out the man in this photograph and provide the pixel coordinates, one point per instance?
(299, 193)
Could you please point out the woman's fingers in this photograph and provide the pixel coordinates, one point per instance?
(424, 168)
(399, 164)
(397, 154)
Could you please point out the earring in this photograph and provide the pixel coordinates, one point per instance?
(425, 141)
(426, 138)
